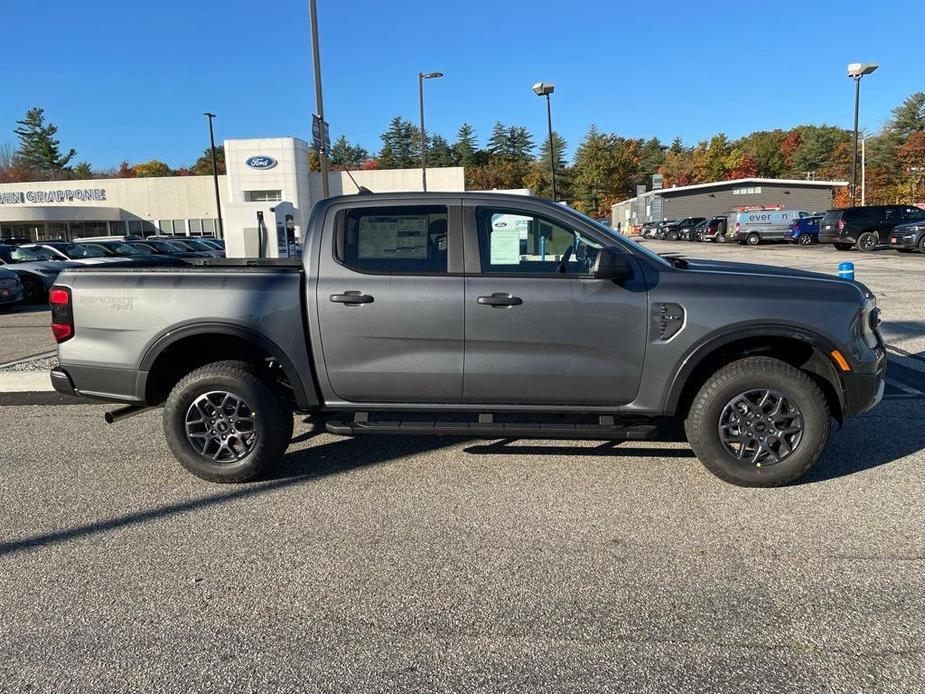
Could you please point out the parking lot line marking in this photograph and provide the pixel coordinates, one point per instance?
(42, 355)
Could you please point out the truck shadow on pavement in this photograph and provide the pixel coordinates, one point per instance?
(866, 443)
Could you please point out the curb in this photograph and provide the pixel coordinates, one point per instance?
(25, 382)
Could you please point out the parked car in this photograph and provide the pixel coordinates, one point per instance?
(11, 291)
(661, 229)
(805, 231)
(716, 229)
(36, 275)
(866, 227)
(681, 230)
(138, 255)
(909, 237)
(123, 237)
(213, 243)
(63, 251)
(405, 333)
(759, 226)
(197, 246)
(161, 247)
(648, 230)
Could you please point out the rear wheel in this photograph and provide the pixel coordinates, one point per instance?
(753, 239)
(224, 423)
(867, 241)
(806, 240)
(672, 236)
(922, 245)
(758, 422)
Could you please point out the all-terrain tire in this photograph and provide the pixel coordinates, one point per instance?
(755, 373)
(272, 421)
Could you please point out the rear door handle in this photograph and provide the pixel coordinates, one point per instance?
(500, 299)
(351, 298)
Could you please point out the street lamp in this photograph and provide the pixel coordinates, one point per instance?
(421, 77)
(319, 102)
(545, 89)
(218, 199)
(856, 71)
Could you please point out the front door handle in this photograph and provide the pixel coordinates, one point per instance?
(352, 298)
(501, 300)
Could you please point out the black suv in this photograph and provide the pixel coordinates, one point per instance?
(909, 237)
(865, 227)
(681, 228)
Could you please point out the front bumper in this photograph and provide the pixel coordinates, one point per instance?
(904, 241)
(865, 383)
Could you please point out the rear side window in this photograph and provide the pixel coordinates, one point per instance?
(914, 213)
(403, 240)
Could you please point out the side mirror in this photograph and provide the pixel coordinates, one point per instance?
(612, 264)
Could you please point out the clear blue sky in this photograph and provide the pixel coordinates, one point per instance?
(129, 80)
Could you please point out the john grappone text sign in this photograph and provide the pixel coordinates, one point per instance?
(44, 197)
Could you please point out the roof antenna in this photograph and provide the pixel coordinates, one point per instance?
(361, 190)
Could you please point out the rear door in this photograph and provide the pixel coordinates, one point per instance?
(539, 329)
(390, 303)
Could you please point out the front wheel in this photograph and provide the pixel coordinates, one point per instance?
(758, 422)
(224, 423)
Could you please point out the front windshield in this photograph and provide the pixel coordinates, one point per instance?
(44, 253)
(198, 245)
(16, 254)
(623, 238)
(77, 251)
(125, 249)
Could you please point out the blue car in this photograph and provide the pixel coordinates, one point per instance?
(805, 231)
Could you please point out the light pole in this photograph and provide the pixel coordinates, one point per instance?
(545, 89)
(218, 199)
(319, 103)
(856, 71)
(421, 77)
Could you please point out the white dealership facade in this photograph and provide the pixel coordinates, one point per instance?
(261, 174)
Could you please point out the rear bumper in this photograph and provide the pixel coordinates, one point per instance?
(114, 385)
(13, 297)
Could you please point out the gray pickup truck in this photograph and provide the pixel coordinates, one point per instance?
(476, 315)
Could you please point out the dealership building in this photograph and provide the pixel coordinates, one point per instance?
(722, 197)
(263, 175)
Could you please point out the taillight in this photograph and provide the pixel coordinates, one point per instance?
(62, 315)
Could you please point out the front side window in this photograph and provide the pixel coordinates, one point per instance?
(514, 241)
(405, 240)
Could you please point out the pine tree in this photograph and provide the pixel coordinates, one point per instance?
(439, 152)
(466, 145)
(400, 145)
(346, 155)
(541, 185)
(38, 147)
(497, 143)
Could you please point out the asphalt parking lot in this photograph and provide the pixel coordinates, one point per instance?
(423, 564)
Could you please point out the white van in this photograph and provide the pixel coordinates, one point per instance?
(764, 225)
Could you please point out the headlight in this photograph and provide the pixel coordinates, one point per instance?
(870, 319)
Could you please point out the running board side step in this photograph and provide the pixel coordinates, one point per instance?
(630, 430)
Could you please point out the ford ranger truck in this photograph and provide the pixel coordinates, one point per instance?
(475, 315)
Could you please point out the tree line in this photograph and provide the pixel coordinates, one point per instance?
(605, 168)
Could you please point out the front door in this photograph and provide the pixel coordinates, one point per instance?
(390, 311)
(539, 329)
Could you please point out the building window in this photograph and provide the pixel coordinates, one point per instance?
(263, 195)
(208, 226)
(179, 227)
(117, 228)
(195, 227)
(750, 190)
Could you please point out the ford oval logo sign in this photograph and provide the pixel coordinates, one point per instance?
(261, 162)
